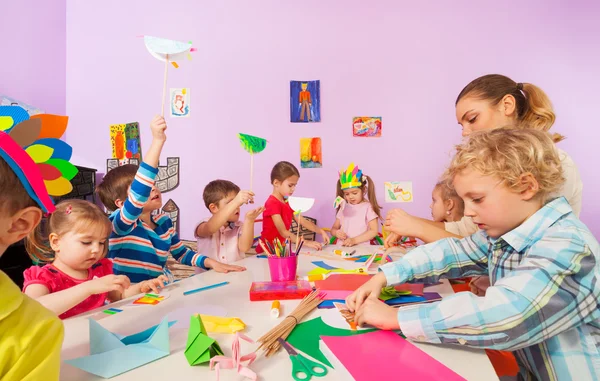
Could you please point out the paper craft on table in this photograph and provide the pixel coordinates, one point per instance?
(219, 324)
(354, 357)
(335, 317)
(346, 314)
(151, 299)
(406, 300)
(112, 354)
(182, 315)
(305, 337)
(200, 348)
(336, 294)
(398, 191)
(339, 282)
(236, 361)
(323, 265)
(328, 304)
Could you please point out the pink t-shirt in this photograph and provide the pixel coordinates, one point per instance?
(222, 246)
(55, 280)
(355, 218)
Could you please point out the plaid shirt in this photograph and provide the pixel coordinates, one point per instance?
(543, 303)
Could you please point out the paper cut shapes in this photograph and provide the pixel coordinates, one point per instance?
(236, 361)
(219, 324)
(152, 299)
(305, 101)
(200, 348)
(311, 155)
(125, 142)
(346, 314)
(398, 191)
(112, 354)
(180, 103)
(366, 126)
(252, 145)
(168, 175)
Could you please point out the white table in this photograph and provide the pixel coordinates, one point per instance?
(469, 363)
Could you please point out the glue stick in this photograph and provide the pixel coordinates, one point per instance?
(275, 309)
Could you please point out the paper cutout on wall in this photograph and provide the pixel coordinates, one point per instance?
(125, 142)
(311, 155)
(172, 210)
(168, 176)
(398, 191)
(180, 103)
(366, 126)
(305, 101)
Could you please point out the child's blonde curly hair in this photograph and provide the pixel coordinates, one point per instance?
(508, 153)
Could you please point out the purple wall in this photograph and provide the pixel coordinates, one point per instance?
(33, 54)
(405, 63)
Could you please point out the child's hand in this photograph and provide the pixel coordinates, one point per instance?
(244, 197)
(376, 313)
(341, 235)
(391, 240)
(154, 284)
(479, 285)
(158, 127)
(399, 222)
(251, 215)
(371, 289)
(314, 244)
(349, 242)
(325, 236)
(222, 267)
(108, 283)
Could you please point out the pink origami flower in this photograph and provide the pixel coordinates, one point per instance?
(236, 359)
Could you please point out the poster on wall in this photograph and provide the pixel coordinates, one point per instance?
(180, 103)
(125, 142)
(310, 153)
(398, 191)
(366, 126)
(305, 101)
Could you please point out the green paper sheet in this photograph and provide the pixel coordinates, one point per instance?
(305, 337)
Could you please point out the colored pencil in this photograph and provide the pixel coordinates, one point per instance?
(263, 247)
(205, 288)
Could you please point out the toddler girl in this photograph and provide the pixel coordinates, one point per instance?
(277, 216)
(79, 278)
(356, 221)
(446, 206)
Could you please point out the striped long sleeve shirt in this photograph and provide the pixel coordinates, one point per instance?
(136, 249)
(543, 302)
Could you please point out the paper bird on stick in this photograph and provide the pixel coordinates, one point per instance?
(168, 51)
(200, 348)
(300, 205)
(253, 145)
(112, 354)
(31, 145)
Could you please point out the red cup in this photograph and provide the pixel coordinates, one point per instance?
(283, 268)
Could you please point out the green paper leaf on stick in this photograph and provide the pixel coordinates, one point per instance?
(305, 337)
(200, 348)
(252, 144)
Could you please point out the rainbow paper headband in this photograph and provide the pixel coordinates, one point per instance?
(351, 178)
(31, 146)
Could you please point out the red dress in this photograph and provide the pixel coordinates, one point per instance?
(55, 280)
(272, 207)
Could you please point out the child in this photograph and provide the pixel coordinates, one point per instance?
(223, 237)
(79, 279)
(542, 262)
(356, 221)
(30, 336)
(140, 243)
(446, 206)
(277, 217)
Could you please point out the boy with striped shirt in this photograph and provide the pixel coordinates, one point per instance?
(140, 243)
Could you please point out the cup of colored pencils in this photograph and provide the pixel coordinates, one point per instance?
(283, 261)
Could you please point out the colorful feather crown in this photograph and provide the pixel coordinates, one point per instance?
(33, 149)
(351, 178)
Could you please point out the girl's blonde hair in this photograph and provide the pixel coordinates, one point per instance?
(533, 107)
(508, 153)
(368, 188)
(70, 216)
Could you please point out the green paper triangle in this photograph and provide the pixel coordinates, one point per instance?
(200, 348)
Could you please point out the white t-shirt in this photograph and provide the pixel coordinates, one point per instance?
(572, 190)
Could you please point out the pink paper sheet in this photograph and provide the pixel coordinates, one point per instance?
(336, 294)
(383, 356)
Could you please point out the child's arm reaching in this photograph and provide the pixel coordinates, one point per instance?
(154, 285)
(313, 228)
(247, 236)
(219, 219)
(61, 301)
(372, 231)
(403, 224)
(131, 209)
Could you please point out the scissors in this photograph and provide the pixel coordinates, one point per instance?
(302, 368)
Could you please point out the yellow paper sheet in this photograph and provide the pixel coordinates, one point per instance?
(219, 324)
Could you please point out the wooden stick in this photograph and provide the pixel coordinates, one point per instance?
(251, 170)
(165, 86)
(298, 232)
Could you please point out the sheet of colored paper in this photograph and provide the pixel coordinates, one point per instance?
(338, 282)
(337, 294)
(392, 355)
(323, 265)
(327, 304)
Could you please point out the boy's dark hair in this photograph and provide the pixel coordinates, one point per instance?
(115, 185)
(14, 196)
(217, 190)
(283, 170)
